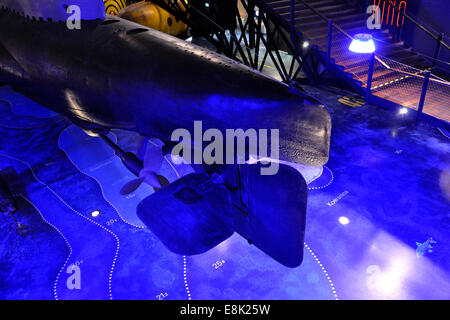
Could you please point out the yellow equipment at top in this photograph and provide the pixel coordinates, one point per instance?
(113, 7)
(153, 16)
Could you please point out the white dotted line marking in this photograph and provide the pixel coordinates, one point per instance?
(185, 277)
(115, 209)
(333, 289)
(99, 183)
(184, 257)
(55, 294)
(72, 209)
(330, 182)
(129, 223)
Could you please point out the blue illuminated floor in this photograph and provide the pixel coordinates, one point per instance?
(383, 190)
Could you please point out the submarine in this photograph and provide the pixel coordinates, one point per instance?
(111, 73)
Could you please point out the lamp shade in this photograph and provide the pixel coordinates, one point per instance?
(362, 43)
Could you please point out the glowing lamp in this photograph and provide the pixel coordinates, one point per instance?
(95, 213)
(362, 43)
(403, 111)
(344, 220)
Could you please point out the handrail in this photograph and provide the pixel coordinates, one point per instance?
(427, 77)
(423, 28)
(336, 26)
(437, 38)
(324, 17)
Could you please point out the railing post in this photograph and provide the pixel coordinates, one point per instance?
(438, 48)
(366, 17)
(369, 78)
(251, 23)
(292, 22)
(330, 39)
(400, 34)
(423, 93)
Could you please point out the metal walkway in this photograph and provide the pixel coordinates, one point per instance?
(316, 34)
(398, 72)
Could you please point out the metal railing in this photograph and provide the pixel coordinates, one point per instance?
(281, 35)
(338, 50)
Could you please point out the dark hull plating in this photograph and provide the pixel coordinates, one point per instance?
(117, 74)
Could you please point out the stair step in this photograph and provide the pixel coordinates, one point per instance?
(301, 10)
(322, 38)
(391, 52)
(350, 60)
(362, 71)
(323, 28)
(341, 20)
(407, 96)
(309, 18)
(382, 48)
(393, 83)
(385, 79)
(317, 36)
(353, 59)
(398, 54)
(357, 68)
(414, 61)
(338, 37)
(287, 3)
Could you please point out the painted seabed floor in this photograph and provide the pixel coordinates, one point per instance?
(378, 222)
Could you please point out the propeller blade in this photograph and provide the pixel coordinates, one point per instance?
(150, 178)
(131, 186)
(142, 143)
(153, 158)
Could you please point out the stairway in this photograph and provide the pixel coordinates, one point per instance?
(398, 71)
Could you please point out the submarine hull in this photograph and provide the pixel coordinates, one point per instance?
(118, 74)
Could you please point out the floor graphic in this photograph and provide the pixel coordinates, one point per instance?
(377, 223)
